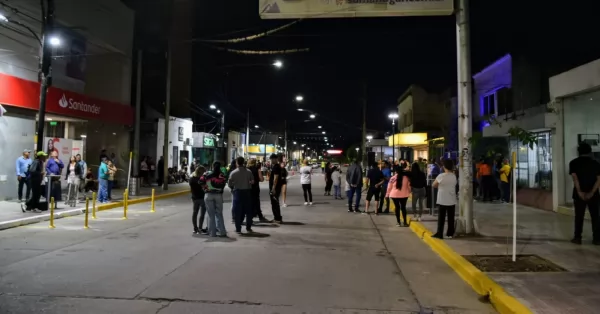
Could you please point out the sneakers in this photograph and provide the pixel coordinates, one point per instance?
(438, 236)
(305, 203)
(310, 204)
(284, 205)
(576, 241)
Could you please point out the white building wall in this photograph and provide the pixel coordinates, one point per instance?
(577, 80)
(175, 140)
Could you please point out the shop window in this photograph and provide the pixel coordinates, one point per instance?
(534, 166)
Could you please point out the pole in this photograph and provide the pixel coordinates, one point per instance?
(87, 213)
(464, 119)
(248, 134)
(265, 139)
(94, 201)
(93, 207)
(152, 209)
(285, 139)
(514, 199)
(138, 109)
(129, 172)
(364, 126)
(165, 169)
(45, 73)
(393, 143)
(52, 213)
(223, 128)
(125, 201)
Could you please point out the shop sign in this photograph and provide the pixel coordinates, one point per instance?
(180, 134)
(208, 142)
(22, 93)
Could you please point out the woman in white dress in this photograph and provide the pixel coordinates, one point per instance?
(73, 175)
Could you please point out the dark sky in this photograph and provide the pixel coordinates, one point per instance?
(388, 53)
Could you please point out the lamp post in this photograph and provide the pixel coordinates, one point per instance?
(393, 116)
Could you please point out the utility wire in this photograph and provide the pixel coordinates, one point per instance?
(259, 52)
(247, 38)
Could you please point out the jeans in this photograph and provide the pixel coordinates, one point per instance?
(418, 194)
(443, 211)
(243, 209)
(109, 188)
(400, 204)
(275, 205)
(381, 199)
(354, 191)
(592, 205)
(487, 188)
(306, 188)
(199, 206)
(337, 191)
(505, 191)
(24, 181)
(256, 211)
(214, 208)
(102, 190)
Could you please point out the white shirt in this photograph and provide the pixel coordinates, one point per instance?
(446, 189)
(305, 175)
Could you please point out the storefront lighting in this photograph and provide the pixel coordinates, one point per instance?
(83, 136)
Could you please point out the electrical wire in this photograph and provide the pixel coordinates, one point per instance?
(259, 52)
(247, 38)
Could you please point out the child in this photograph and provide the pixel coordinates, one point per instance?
(337, 183)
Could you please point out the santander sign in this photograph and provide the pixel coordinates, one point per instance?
(72, 104)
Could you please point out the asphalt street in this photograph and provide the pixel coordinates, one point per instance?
(322, 260)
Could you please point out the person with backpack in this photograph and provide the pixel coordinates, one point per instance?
(36, 173)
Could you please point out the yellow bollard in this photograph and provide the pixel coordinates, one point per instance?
(125, 200)
(94, 202)
(153, 210)
(52, 213)
(87, 213)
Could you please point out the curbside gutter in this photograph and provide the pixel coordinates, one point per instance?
(503, 302)
(74, 212)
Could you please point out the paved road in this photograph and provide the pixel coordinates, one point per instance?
(324, 260)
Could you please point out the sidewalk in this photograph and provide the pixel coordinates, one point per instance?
(542, 233)
(11, 214)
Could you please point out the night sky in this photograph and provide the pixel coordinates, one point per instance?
(388, 53)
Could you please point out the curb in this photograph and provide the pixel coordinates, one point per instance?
(74, 212)
(503, 302)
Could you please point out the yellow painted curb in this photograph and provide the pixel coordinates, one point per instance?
(141, 200)
(503, 302)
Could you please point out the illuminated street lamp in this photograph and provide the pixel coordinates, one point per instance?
(312, 116)
(278, 64)
(213, 107)
(299, 98)
(393, 116)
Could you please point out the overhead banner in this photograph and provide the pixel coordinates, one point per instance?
(296, 9)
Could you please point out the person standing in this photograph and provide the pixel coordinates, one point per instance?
(504, 183)
(328, 180)
(83, 166)
(54, 167)
(198, 200)
(354, 179)
(418, 183)
(240, 182)
(399, 190)
(487, 181)
(144, 171)
(336, 177)
(73, 176)
(375, 180)
(284, 175)
(258, 177)
(214, 183)
(387, 174)
(112, 172)
(275, 188)
(446, 199)
(585, 172)
(305, 181)
(103, 176)
(323, 164)
(36, 177)
(23, 163)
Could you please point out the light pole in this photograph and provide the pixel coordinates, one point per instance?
(45, 69)
(393, 116)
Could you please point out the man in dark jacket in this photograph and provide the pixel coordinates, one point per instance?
(36, 172)
(198, 199)
(354, 179)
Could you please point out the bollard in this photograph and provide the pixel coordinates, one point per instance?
(93, 207)
(94, 202)
(87, 213)
(125, 204)
(152, 210)
(52, 213)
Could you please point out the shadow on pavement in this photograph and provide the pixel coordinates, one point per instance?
(265, 225)
(293, 223)
(255, 235)
(215, 239)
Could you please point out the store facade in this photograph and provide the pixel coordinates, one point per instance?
(576, 100)
(180, 142)
(204, 148)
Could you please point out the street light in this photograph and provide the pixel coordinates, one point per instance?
(323, 132)
(369, 137)
(54, 41)
(300, 109)
(218, 111)
(299, 98)
(312, 116)
(320, 126)
(393, 116)
(278, 64)
(256, 126)
(213, 107)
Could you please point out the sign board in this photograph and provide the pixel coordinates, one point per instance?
(208, 142)
(297, 9)
(180, 134)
